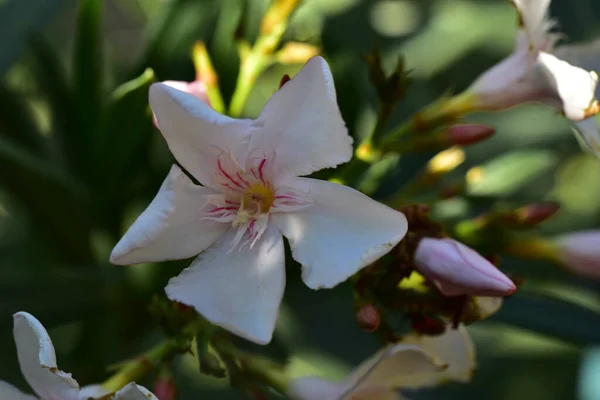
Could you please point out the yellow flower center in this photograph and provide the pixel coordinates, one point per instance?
(257, 200)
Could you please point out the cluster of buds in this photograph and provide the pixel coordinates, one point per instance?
(391, 88)
(431, 279)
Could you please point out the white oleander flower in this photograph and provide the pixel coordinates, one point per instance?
(253, 195)
(38, 365)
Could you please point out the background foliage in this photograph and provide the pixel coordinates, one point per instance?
(79, 159)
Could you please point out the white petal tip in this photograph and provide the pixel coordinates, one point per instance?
(118, 256)
(262, 338)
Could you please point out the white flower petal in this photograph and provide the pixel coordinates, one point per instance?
(311, 388)
(38, 360)
(509, 82)
(584, 55)
(132, 391)
(535, 22)
(239, 290)
(394, 367)
(454, 348)
(197, 134)
(172, 226)
(9, 392)
(574, 86)
(93, 392)
(302, 124)
(340, 233)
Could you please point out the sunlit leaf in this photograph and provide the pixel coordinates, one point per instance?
(510, 172)
(577, 185)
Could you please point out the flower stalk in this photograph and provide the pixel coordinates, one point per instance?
(255, 367)
(206, 73)
(135, 369)
(272, 28)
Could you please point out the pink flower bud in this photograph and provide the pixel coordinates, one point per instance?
(580, 252)
(165, 389)
(459, 270)
(467, 134)
(195, 88)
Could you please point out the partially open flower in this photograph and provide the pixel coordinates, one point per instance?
(38, 365)
(458, 270)
(254, 194)
(533, 73)
(580, 252)
(417, 362)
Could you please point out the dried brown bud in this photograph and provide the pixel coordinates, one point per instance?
(284, 79)
(534, 214)
(468, 134)
(369, 318)
(427, 325)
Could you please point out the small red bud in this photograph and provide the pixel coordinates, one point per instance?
(369, 318)
(165, 389)
(284, 79)
(468, 134)
(427, 325)
(534, 214)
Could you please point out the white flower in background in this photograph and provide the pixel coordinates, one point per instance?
(458, 270)
(38, 365)
(580, 252)
(536, 72)
(417, 362)
(585, 55)
(251, 196)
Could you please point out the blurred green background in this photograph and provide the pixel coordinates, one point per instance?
(79, 161)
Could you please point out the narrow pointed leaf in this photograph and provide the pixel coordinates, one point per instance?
(127, 130)
(87, 68)
(17, 121)
(52, 199)
(18, 19)
(552, 317)
(52, 82)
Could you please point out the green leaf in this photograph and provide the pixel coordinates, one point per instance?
(17, 121)
(552, 317)
(87, 68)
(120, 153)
(18, 19)
(52, 83)
(581, 171)
(127, 130)
(510, 172)
(52, 199)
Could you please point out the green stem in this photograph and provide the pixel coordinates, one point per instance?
(273, 26)
(135, 369)
(256, 366)
(205, 72)
(251, 69)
